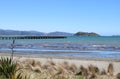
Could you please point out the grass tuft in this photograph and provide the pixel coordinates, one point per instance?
(110, 69)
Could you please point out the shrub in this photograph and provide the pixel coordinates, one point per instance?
(8, 69)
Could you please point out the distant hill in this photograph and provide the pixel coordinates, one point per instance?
(59, 34)
(36, 33)
(15, 32)
(115, 35)
(86, 34)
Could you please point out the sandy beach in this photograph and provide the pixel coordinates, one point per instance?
(31, 61)
(101, 63)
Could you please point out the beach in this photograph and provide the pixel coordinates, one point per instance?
(101, 63)
(42, 62)
(86, 57)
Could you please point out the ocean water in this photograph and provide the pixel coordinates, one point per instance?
(103, 46)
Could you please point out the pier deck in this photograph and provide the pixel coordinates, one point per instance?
(31, 37)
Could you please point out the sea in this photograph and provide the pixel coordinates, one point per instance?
(76, 46)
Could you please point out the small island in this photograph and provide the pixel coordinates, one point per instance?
(86, 34)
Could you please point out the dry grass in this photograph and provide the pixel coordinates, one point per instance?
(32, 69)
(110, 69)
(103, 72)
(118, 76)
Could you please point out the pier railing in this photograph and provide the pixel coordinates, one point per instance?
(31, 37)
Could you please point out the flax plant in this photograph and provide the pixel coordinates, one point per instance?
(7, 68)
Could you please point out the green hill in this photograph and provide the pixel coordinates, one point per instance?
(86, 34)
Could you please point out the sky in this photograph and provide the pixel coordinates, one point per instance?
(100, 16)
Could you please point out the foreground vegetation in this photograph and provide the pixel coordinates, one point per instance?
(33, 69)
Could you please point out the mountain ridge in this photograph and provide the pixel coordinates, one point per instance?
(17, 32)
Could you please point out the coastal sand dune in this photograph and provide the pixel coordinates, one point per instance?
(46, 67)
(101, 64)
(71, 68)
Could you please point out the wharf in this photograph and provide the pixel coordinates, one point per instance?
(31, 37)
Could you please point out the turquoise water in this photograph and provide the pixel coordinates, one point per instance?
(106, 46)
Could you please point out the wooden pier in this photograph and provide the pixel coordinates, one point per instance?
(31, 37)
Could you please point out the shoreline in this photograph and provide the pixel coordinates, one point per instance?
(58, 57)
(78, 61)
(46, 55)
